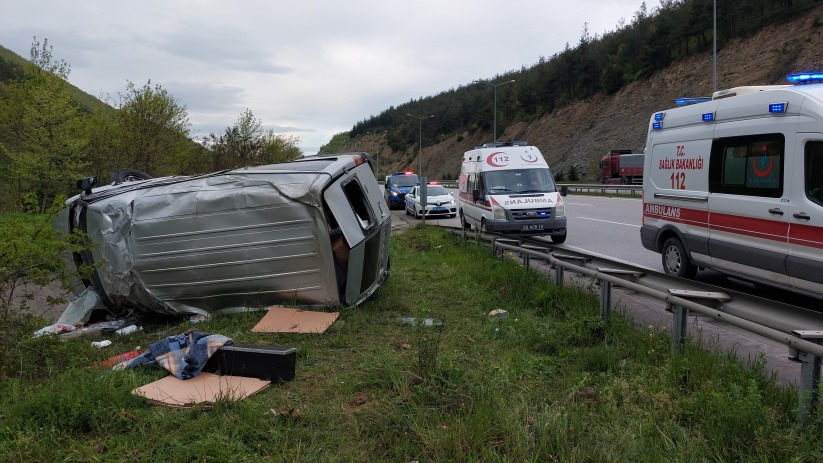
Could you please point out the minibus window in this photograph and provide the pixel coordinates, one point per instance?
(357, 199)
(814, 172)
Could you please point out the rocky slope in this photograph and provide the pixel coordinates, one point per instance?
(580, 133)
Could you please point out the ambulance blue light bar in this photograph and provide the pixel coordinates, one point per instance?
(804, 77)
(659, 116)
(778, 107)
(695, 100)
(657, 125)
(708, 117)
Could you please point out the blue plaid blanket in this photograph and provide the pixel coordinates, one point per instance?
(184, 355)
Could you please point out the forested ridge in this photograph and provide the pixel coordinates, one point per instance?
(594, 68)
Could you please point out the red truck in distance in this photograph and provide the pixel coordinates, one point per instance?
(622, 167)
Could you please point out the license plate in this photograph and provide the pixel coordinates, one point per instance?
(531, 227)
(438, 209)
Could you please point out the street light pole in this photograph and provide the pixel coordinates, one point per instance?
(420, 143)
(423, 196)
(495, 101)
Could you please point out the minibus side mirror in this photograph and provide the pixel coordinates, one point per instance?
(564, 190)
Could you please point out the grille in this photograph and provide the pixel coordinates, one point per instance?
(532, 214)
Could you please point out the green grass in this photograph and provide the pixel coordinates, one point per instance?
(552, 382)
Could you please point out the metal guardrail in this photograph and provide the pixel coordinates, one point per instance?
(603, 189)
(804, 343)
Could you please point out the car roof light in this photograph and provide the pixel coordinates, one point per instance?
(778, 107)
(695, 100)
(803, 77)
(659, 116)
(408, 173)
(657, 125)
(708, 117)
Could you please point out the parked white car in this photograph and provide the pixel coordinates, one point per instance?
(439, 202)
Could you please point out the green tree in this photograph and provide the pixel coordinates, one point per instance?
(152, 130)
(45, 131)
(246, 143)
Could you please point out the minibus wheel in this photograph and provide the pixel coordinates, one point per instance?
(675, 260)
(558, 239)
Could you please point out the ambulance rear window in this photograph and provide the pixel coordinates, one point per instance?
(750, 165)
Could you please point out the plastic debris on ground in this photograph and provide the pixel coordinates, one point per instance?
(101, 344)
(498, 314)
(56, 328)
(423, 321)
(114, 360)
(129, 329)
(80, 308)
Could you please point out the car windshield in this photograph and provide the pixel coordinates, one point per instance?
(520, 181)
(436, 190)
(405, 180)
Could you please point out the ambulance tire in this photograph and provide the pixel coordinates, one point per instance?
(675, 260)
(466, 225)
(559, 239)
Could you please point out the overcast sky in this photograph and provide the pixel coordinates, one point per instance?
(309, 68)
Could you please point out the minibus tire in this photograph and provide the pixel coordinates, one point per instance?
(675, 260)
(559, 239)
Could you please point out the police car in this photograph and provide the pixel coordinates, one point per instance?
(439, 202)
(398, 184)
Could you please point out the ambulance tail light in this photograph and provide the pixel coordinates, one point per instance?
(778, 107)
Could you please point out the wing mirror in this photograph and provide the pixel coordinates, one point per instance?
(86, 184)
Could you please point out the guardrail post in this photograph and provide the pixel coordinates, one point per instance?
(558, 275)
(678, 326)
(605, 298)
(809, 376)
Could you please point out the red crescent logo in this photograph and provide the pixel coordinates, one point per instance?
(490, 160)
(762, 173)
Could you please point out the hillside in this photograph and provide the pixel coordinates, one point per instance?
(580, 133)
(12, 66)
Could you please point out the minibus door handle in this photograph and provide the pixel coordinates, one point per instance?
(801, 215)
(775, 210)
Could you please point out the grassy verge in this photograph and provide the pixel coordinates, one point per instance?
(552, 382)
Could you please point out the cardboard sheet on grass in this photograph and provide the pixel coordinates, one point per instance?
(205, 388)
(281, 319)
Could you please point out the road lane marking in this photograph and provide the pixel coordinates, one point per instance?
(609, 221)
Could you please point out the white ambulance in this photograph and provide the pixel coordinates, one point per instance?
(508, 188)
(735, 183)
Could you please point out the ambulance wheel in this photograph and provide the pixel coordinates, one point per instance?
(466, 225)
(675, 260)
(558, 239)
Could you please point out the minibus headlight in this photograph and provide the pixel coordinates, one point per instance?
(560, 210)
(499, 212)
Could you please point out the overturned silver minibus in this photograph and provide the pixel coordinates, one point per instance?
(312, 232)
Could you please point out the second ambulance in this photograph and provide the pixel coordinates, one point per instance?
(735, 183)
(508, 188)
